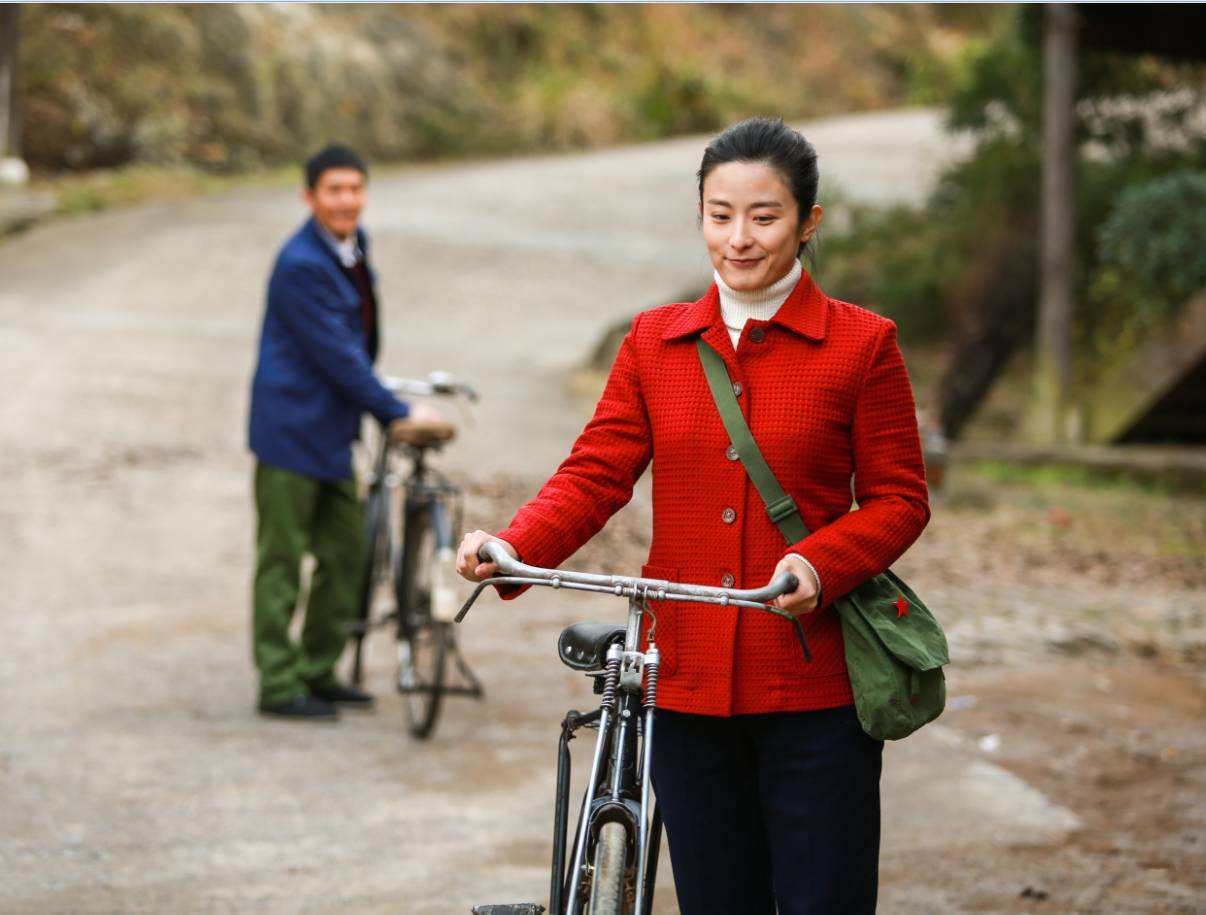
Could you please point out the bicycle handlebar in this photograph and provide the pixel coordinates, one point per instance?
(436, 384)
(779, 585)
(517, 573)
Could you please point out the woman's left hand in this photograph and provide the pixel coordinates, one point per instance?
(804, 598)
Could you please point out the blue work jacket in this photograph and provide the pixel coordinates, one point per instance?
(314, 378)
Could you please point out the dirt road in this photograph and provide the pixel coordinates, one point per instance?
(135, 776)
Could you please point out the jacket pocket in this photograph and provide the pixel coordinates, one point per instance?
(664, 637)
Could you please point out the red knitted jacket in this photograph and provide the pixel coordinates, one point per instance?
(825, 392)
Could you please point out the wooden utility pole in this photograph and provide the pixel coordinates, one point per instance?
(1049, 418)
(10, 125)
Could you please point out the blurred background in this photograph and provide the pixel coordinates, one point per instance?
(109, 104)
(1022, 189)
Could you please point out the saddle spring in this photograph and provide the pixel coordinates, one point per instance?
(651, 673)
(611, 682)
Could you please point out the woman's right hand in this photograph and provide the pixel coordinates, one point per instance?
(468, 565)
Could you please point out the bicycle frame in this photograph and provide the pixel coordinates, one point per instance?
(618, 786)
(428, 493)
(424, 491)
(630, 680)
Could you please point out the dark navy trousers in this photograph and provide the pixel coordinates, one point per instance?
(765, 813)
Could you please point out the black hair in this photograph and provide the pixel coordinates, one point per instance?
(334, 156)
(770, 142)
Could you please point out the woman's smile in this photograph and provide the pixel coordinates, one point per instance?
(744, 263)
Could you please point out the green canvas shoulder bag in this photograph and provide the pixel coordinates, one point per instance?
(895, 649)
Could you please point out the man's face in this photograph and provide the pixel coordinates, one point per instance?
(337, 199)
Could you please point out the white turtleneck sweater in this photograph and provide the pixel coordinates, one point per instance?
(737, 307)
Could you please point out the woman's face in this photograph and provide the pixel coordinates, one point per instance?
(752, 225)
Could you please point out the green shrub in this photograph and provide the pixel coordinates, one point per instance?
(927, 268)
(1154, 241)
(670, 101)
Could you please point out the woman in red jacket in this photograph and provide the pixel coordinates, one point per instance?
(768, 786)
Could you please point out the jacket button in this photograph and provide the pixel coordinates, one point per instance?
(737, 389)
(728, 515)
(728, 580)
(757, 334)
(731, 453)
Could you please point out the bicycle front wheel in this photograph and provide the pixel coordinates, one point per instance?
(607, 882)
(423, 641)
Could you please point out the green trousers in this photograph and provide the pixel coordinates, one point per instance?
(298, 515)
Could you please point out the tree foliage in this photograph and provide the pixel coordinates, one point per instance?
(963, 269)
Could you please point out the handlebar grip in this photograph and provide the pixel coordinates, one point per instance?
(783, 583)
(492, 551)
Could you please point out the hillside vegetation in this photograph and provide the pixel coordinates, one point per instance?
(234, 87)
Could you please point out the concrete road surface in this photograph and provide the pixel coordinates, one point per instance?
(134, 775)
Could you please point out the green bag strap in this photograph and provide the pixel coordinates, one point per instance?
(779, 505)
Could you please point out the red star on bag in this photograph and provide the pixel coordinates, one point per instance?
(902, 607)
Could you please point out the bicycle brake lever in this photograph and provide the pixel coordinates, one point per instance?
(796, 625)
(481, 586)
(799, 627)
(496, 580)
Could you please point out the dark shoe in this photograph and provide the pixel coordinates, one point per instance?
(343, 695)
(302, 708)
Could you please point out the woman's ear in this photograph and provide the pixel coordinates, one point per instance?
(811, 224)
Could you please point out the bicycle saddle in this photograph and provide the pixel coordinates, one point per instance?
(583, 646)
(425, 435)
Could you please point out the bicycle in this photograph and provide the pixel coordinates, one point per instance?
(613, 861)
(411, 514)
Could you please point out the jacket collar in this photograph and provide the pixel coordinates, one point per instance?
(804, 312)
(318, 237)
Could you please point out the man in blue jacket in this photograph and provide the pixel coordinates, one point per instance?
(313, 382)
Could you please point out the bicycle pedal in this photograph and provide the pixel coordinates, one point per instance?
(515, 908)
